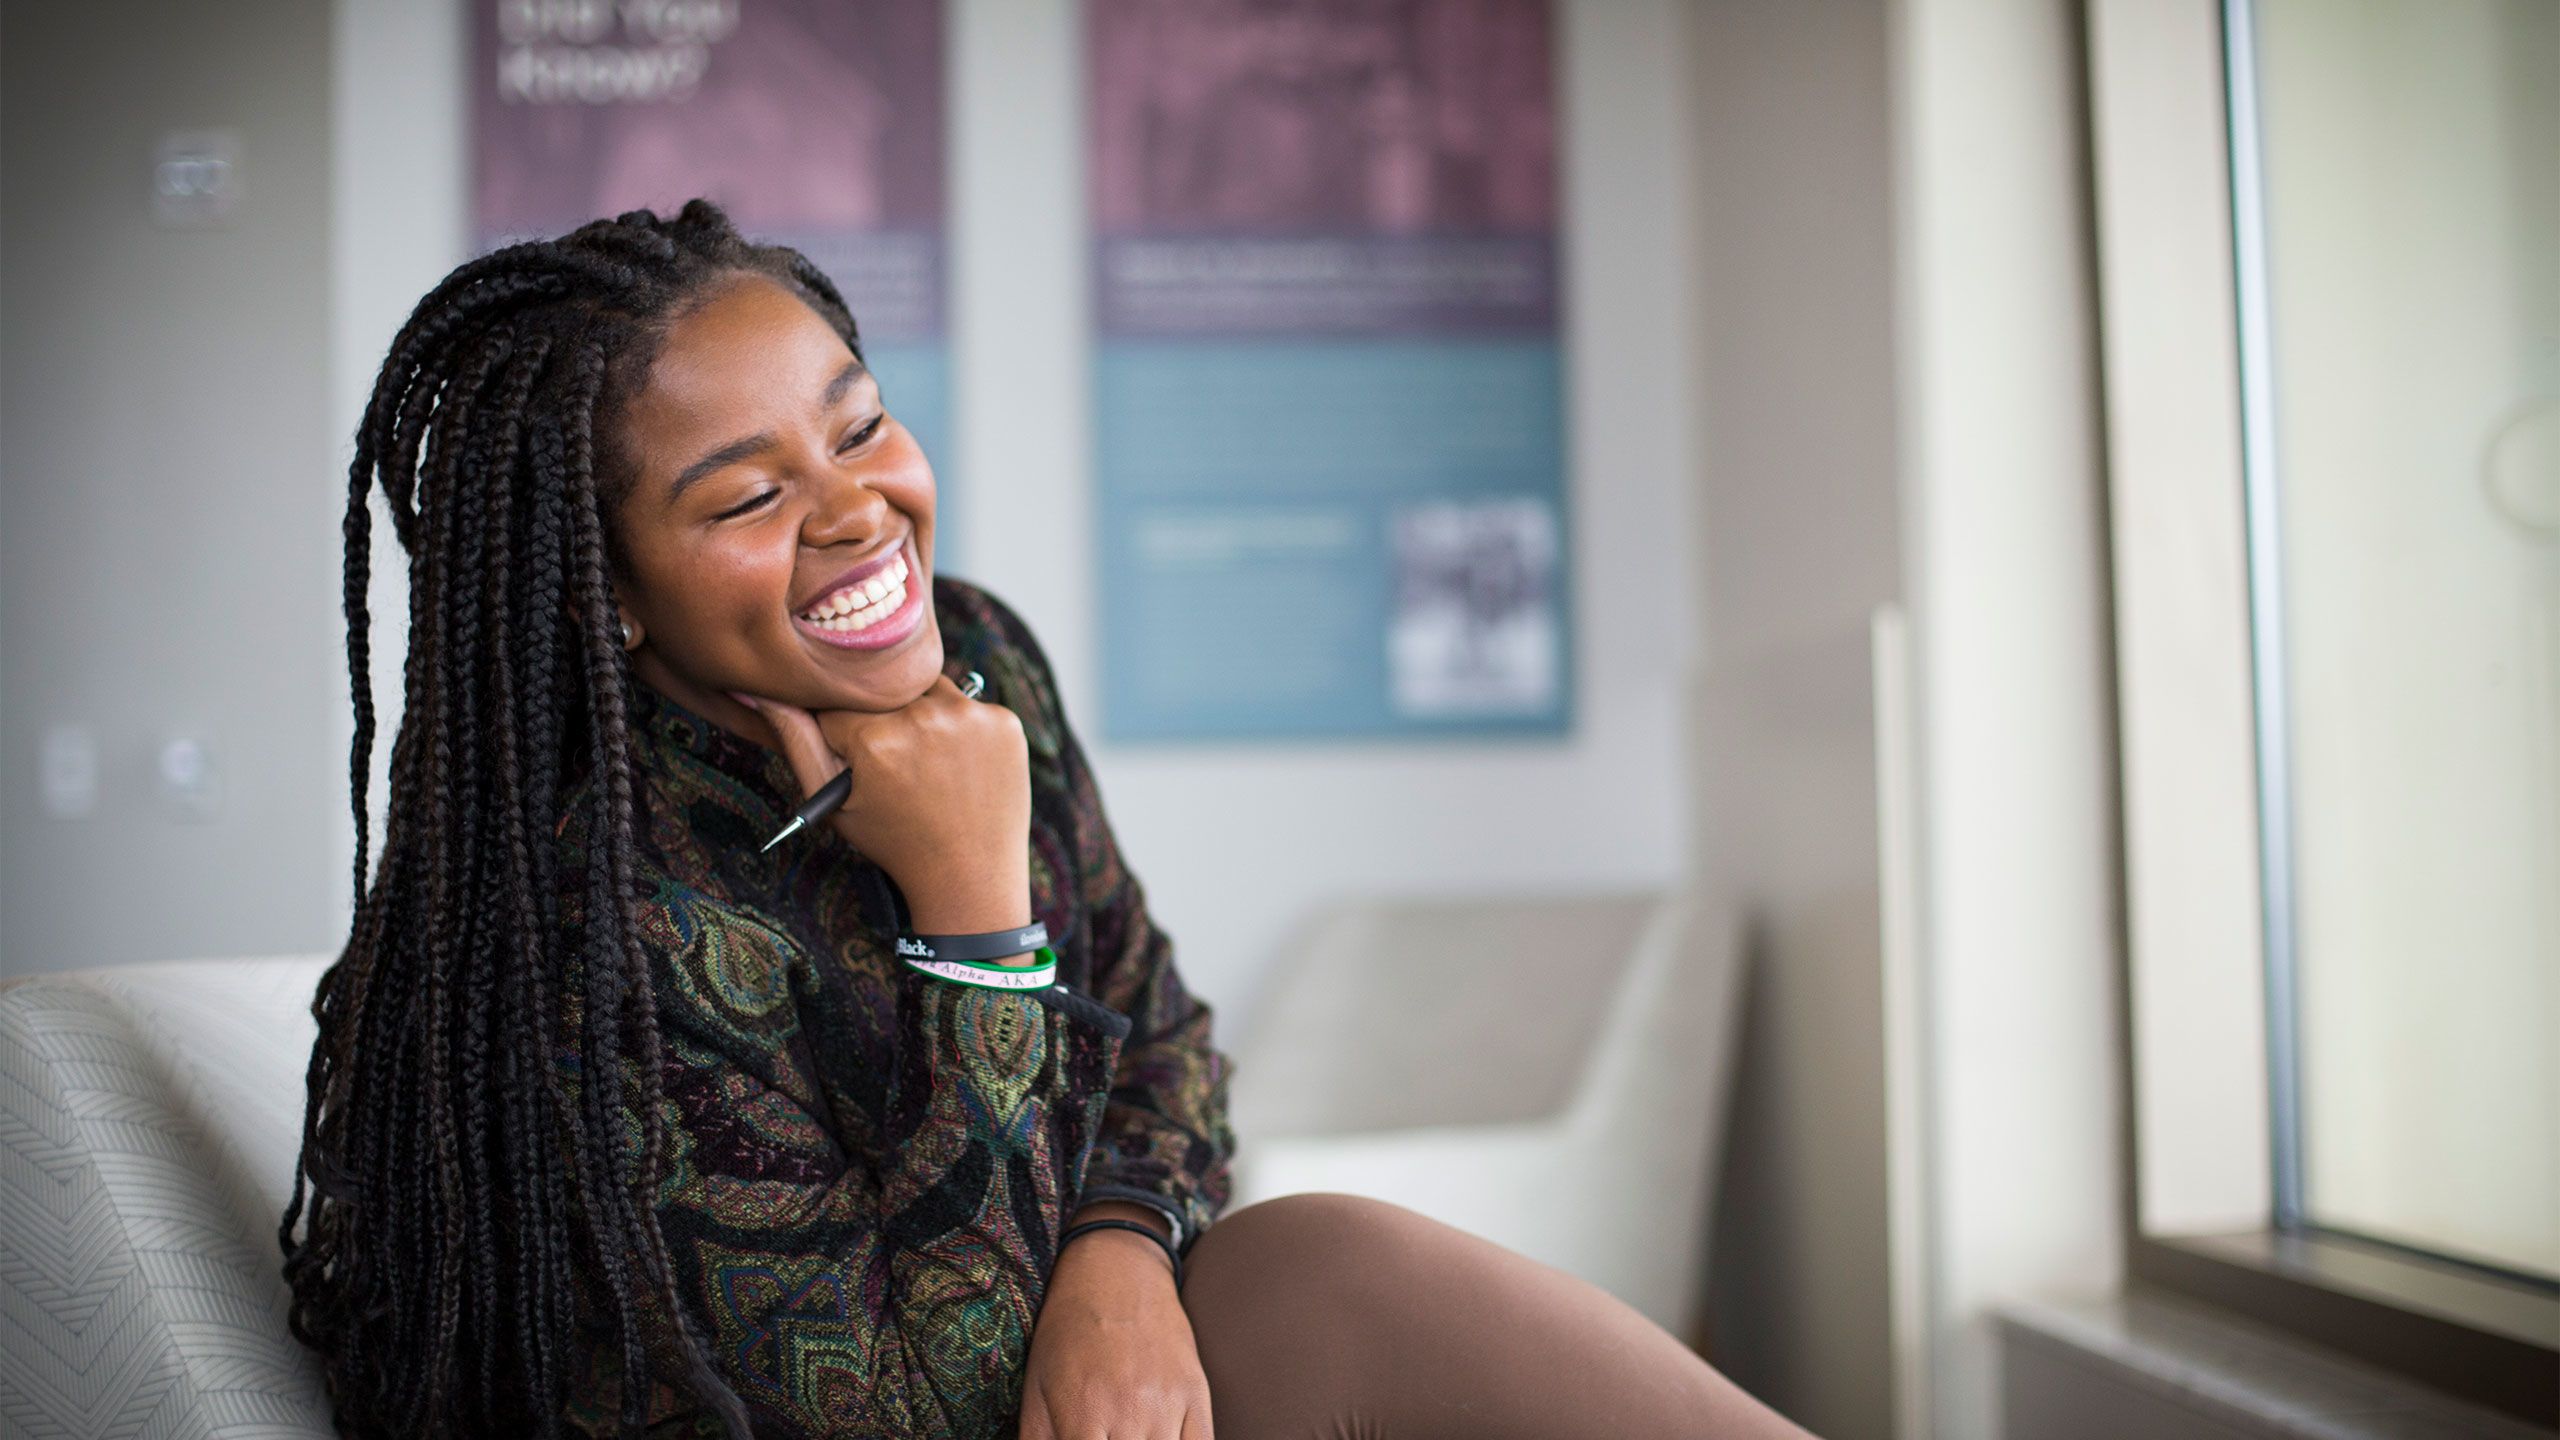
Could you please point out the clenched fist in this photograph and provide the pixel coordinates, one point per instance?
(941, 799)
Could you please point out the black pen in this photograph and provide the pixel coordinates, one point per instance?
(832, 794)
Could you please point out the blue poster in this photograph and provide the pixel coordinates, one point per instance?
(816, 124)
(1329, 386)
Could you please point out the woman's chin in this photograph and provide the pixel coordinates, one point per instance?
(889, 682)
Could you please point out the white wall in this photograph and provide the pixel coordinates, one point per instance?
(4, 442)
(1800, 541)
(1236, 843)
(1900, 395)
(2185, 698)
(167, 512)
(2002, 479)
(397, 170)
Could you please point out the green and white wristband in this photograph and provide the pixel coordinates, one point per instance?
(992, 977)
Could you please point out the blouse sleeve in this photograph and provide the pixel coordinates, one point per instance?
(891, 1291)
(1165, 1140)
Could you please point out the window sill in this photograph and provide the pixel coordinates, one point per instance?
(2490, 1342)
(2141, 1366)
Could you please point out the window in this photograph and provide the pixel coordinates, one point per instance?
(2330, 319)
(2399, 255)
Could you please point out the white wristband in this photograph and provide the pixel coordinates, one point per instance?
(992, 977)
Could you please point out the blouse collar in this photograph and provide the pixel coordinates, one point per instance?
(688, 751)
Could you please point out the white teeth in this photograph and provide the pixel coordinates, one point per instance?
(849, 620)
(866, 601)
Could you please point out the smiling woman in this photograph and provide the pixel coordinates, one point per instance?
(619, 1123)
(593, 1077)
(773, 505)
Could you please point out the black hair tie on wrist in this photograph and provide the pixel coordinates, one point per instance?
(1115, 1223)
(985, 945)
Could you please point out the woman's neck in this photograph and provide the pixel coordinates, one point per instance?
(712, 705)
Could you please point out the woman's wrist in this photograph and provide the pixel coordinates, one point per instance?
(971, 906)
(1145, 1215)
(1118, 1251)
(975, 906)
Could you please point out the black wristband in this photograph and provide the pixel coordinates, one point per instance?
(987, 945)
(1116, 1223)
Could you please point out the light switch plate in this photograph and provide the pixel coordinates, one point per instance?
(195, 178)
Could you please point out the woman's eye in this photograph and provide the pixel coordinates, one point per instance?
(856, 440)
(757, 503)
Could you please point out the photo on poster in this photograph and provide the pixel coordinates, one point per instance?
(1474, 632)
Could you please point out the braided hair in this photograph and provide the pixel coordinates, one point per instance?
(449, 1165)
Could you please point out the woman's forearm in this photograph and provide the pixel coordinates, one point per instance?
(1112, 1351)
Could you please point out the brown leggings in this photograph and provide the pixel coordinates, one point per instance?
(1334, 1317)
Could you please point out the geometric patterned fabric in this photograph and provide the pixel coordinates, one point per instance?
(148, 1122)
(868, 1168)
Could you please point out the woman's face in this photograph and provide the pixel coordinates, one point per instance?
(778, 530)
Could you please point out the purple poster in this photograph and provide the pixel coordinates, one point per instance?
(1328, 381)
(1282, 167)
(817, 123)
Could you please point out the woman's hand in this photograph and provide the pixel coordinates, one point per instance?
(941, 799)
(1112, 1353)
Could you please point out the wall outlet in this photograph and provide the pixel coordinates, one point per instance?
(69, 767)
(189, 780)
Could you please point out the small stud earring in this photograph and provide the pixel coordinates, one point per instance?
(626, 632)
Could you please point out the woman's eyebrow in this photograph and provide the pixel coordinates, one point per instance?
(747, 447)
(729, 454)
(842, 385)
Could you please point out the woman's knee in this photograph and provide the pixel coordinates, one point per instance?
(1316, 1228)
(1321, 1252)
(1297, 1304)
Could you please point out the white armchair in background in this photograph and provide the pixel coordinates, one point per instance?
(1549, 1074)
(149, 1120)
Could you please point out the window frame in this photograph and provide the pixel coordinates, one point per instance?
(2206, 984)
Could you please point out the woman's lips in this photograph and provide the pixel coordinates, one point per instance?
(882, 633)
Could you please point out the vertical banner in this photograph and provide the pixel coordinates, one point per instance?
(1328, 381)
(815, 123)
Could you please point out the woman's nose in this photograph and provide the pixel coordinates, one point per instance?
(844, 509)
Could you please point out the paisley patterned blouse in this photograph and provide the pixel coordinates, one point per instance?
(867, 1168)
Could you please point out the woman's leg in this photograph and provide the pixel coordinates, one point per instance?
(1329, 1317)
